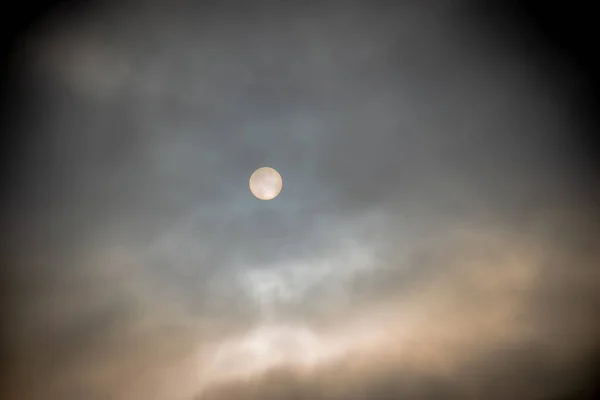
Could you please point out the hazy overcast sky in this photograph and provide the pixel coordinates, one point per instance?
(433, 238)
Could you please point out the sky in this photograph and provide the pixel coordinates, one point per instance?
(436, 235)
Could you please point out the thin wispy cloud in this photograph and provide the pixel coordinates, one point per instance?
(433, 236)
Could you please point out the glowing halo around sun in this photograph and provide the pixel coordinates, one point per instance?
(266, 183)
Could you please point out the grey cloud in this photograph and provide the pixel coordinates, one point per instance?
(427, 195)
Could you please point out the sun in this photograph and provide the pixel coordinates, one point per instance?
(266, 183)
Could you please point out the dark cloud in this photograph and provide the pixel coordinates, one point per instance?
(435, 236)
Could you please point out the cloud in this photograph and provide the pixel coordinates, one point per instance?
(431, 240)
